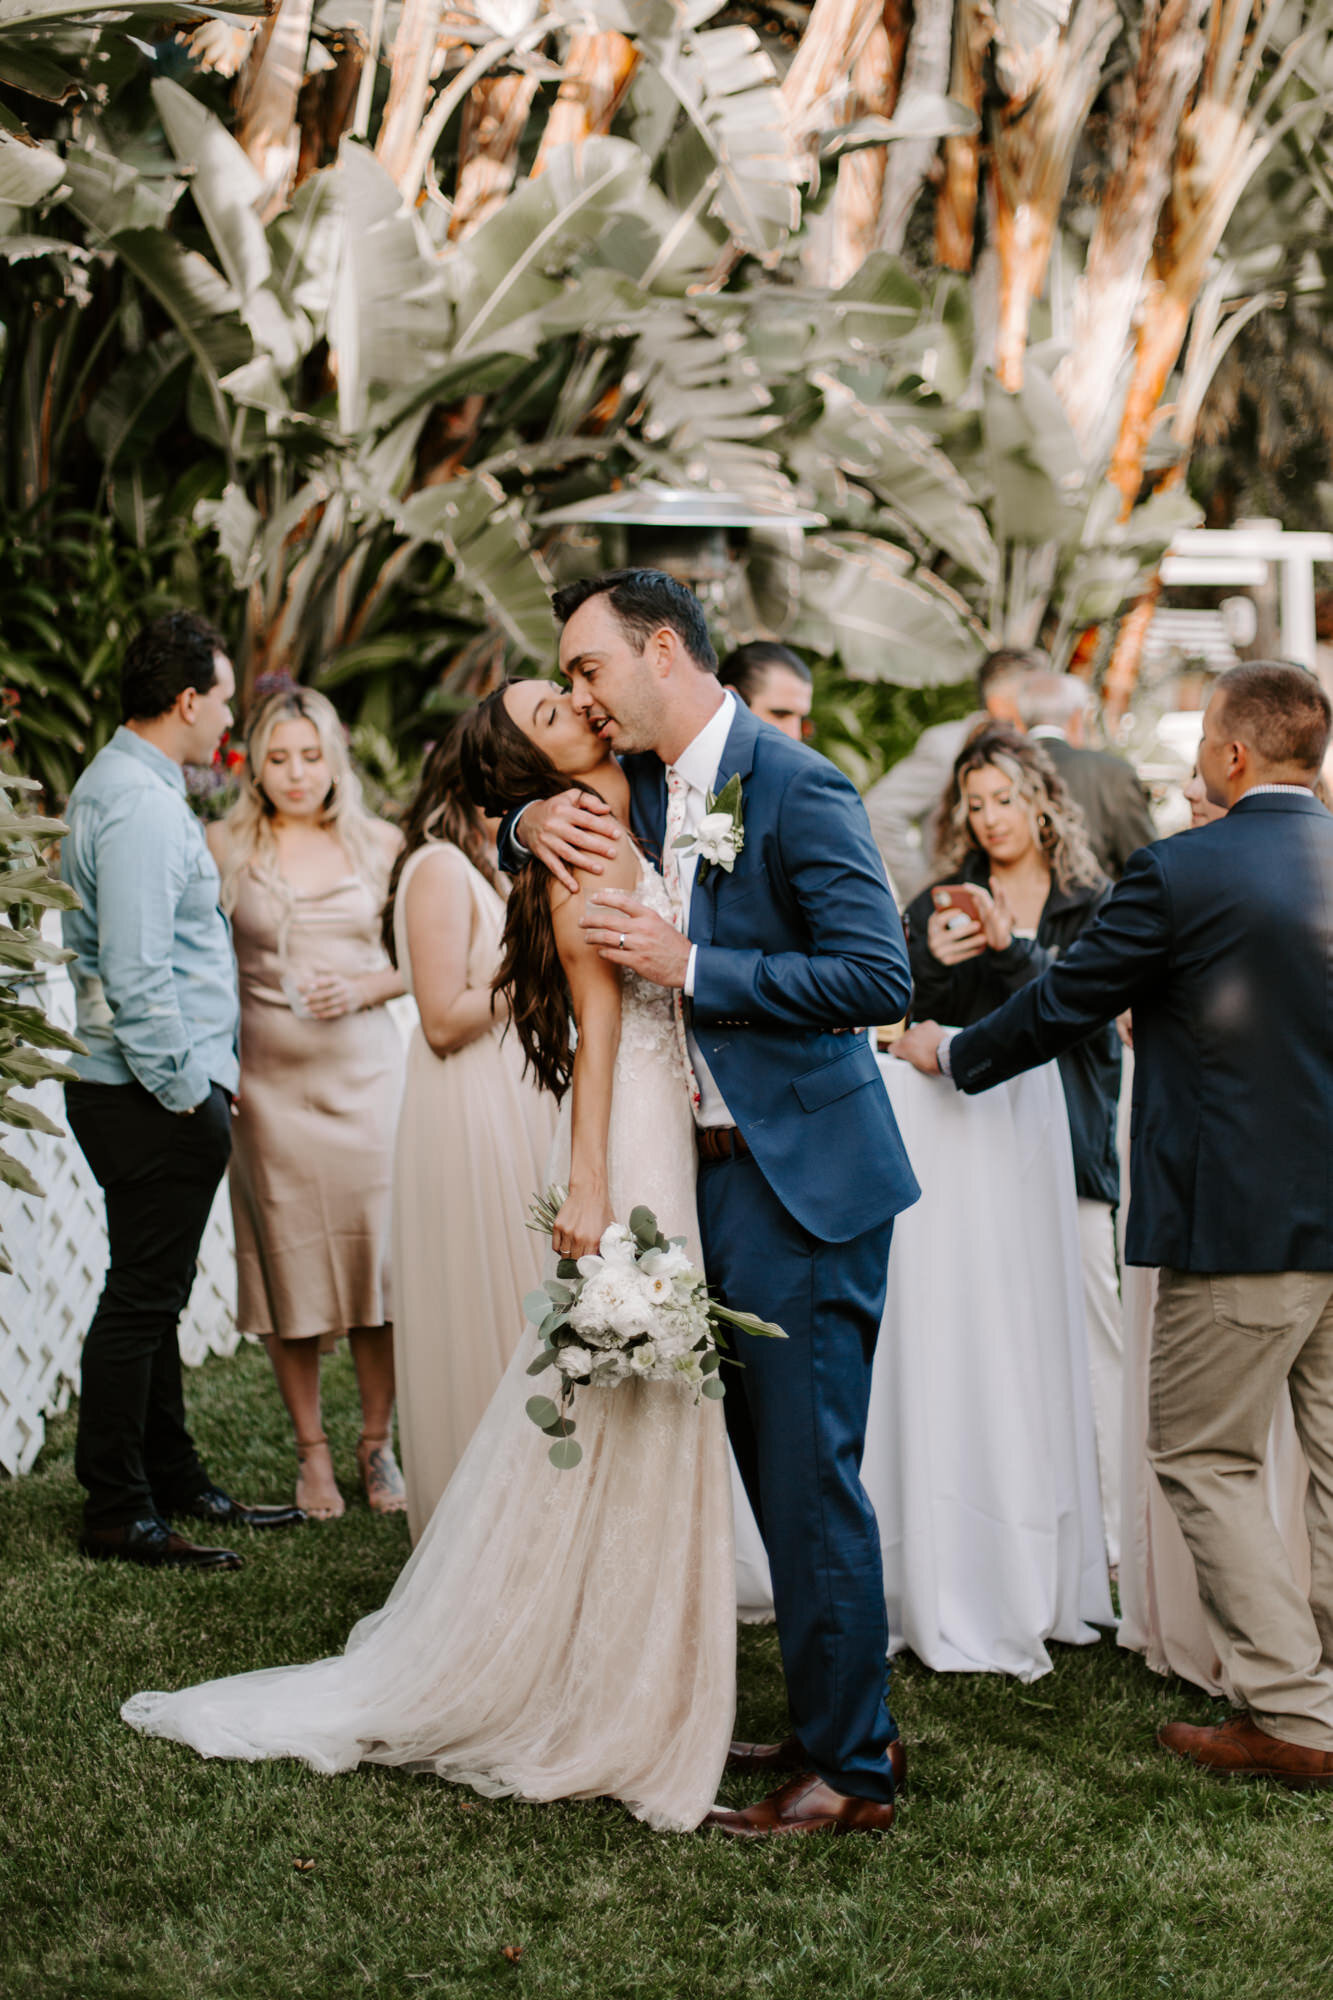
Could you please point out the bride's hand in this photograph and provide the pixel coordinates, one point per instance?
(573, 830)
(582, 1220)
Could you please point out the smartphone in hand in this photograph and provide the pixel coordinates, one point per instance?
(960, 899)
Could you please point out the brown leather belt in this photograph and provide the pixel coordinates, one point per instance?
(719, 1142)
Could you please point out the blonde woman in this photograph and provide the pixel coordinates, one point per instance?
(304, 868)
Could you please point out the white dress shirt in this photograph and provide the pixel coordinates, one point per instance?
(698, 765)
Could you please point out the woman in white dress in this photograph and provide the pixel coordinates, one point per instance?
(555, 1634)
(473, 1139)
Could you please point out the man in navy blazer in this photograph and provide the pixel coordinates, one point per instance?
(1221, 941)
(782, 958)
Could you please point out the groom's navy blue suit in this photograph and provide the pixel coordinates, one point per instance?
(798, 945)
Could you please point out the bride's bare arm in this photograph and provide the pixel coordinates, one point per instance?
(594, 988)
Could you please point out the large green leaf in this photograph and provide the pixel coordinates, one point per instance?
(908, 472)
(111, 195)
(27, 172)
(129, 412)
(488, 544)
(510, 269)
(727, 87)
(883, 623)
(388, 316)
(224, 183)
(1036, 470)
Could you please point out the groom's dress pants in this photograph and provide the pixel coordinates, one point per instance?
(796, 1414)
(1222, 1348)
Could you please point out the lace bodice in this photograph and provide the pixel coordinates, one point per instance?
(649, 1041)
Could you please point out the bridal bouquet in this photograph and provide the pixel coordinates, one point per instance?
(638, 1310)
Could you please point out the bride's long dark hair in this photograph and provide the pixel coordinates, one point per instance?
(502, 768)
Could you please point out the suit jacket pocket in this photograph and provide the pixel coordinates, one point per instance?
(849, 1070)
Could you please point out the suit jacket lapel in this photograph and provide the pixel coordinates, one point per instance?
(737, 761)
(647, 802)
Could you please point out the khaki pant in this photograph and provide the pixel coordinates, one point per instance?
(1222, 1347)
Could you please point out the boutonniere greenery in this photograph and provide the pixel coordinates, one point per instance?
(721, 834)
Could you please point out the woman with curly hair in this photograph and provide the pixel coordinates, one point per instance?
(472, 1138)
(1011, 838)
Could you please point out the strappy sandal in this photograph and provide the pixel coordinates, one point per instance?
(380, 1475)
(331, 1510)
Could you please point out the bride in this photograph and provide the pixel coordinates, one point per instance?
(555, 1634)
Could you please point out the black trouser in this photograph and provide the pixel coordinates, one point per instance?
(134, 1455)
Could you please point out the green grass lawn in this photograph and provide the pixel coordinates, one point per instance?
(1046, 1848)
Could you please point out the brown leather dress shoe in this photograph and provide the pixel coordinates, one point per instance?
(1239, 1748)
(806, 1805)
(153, 1545)
(760, 1758)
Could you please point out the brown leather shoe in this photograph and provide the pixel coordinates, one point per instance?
(758, 1759)
(153, 1545)
(806, 1805)
(1239, 1748)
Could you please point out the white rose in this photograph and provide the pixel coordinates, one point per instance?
(669, 1263)
(575, 1361)
(617, 1246)
(717, 839)
(589, 1266)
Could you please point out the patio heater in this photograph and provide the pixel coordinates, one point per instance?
(688, 531)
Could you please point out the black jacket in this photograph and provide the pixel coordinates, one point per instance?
(1113, 802)
(959, 995)
(1222, 942)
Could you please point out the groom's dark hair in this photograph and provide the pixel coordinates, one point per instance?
(644, 600)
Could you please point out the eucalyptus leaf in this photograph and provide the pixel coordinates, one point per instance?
(542, 1411)
(713, 1388)
(536, 1306)
(565, 1454)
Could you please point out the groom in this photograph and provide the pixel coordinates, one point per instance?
(789, 943)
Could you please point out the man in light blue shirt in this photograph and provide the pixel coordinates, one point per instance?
(155, 986)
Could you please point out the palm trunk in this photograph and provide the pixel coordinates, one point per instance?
(925, 72)
(1144, 133)
(956, 209)
(1050, 92)
(266, 99)
(598, 71)
(876, 78)
(494, 119)
(409, 84)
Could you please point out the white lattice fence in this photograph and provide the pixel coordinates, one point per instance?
(58, 1250)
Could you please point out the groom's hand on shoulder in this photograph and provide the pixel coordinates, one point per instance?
(573, 830)
(625, 933)
(920, 1047)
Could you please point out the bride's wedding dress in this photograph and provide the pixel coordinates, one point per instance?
(555, 1634)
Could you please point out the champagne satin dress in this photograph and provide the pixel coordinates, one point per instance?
(313, 1133)
(472, 1150)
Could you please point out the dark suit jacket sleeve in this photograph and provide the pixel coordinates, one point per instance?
(511, 856)
(855, 972)
(1122, 955)
(1129, 822)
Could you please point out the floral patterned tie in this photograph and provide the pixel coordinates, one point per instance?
(677, 793)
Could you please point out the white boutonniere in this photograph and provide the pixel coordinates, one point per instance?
(721, 834)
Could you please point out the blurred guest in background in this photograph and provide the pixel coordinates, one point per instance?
(473, 1137)
(1105, 788)
(903, 804)
(155, 989)
(304, 869)
(774, 682)
(1010, 831)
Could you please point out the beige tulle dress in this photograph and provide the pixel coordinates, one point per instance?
(312, 1139)
(473, 1143)
(554, 1634)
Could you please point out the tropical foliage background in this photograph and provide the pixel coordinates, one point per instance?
(315, 317)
